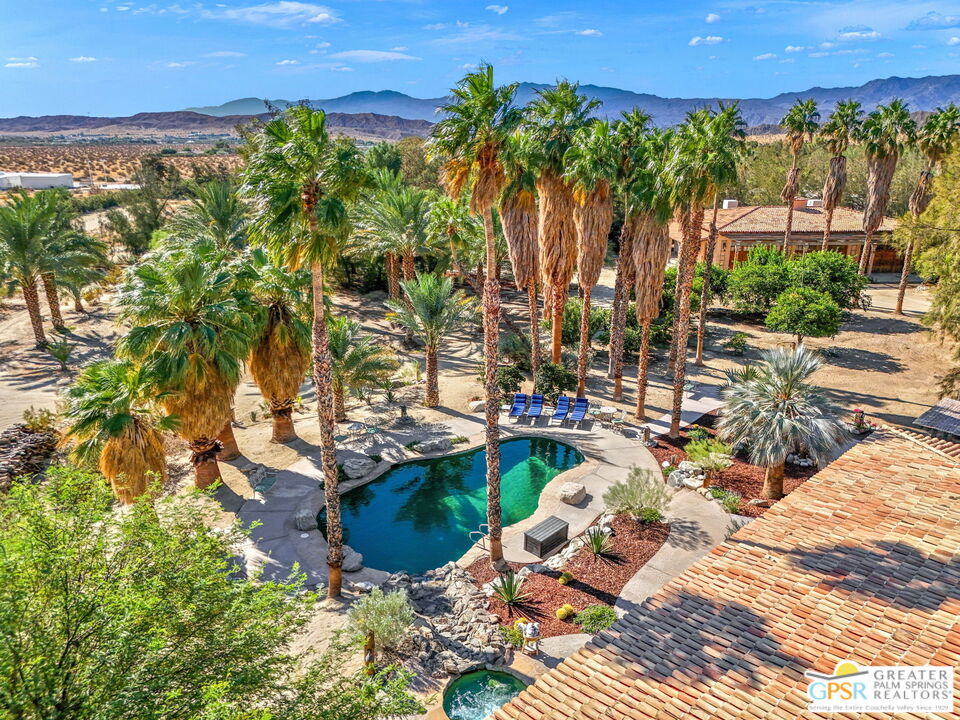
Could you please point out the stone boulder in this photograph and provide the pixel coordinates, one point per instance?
(358, 467)
(305, 518)
(572, 493)
(435, 445)
(352, 560)
(476, 405)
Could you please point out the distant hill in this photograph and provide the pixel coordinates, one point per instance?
(926, 93)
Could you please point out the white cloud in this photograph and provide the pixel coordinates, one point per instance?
(708, 40)
(475, 35)
(283, 14)
(104, 9)
(289, 62)
(858, 32)
(22, 59)
(885, 55)
(795, 48)
(225, 53)
(20, 64)
(827, 45)
(368, 56)
(787, 61)
(953, 41)
(819, 54)
(122, 8)
(468, 66)
(498, 9)
(712, 18)
(400, 48)
(590, 32)
(933, 21)
(919, 47)
(180, 64)
(765, 56)
(436, 26)
(712, 57)
(82, 59)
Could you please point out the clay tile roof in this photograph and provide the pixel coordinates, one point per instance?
(942, 417)
(772, 220)
(861, 562)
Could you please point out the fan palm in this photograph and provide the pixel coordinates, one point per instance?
(727, 147)
(280, 356)
(189, 330)
(800, 123)
(551, 120)
(936, 139)
(360, 362)
(885, 133)
(776, 410)
(837, 132)
(112, 416)
(301, 183)
(471, 137)
(215, 212)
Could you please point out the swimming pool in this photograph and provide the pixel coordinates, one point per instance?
(417, 515)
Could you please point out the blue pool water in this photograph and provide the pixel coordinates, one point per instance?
(417, 515)
(476, 695)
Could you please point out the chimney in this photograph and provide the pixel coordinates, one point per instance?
(799, 203)
(730, 204)
(815, 203)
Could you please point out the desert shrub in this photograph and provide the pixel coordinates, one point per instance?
(595, 618)
(599, 323)
(832, 273)
(648, 516)
(509, 377)
(515, 349)
(512, 636)
(755, 283)
(386, 615)
(509, 589)
(60, 350)
(597, 541)
(737, 343)
(456, 440)
(698, 450)
(410, 372)
(641, 489)
(804, 312)
(564, 611)
(554, 379)
(36, 421)
(698, 433)
(731, 502)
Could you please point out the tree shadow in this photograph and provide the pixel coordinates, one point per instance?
(687, 535)
(887, 325)
(858, 359)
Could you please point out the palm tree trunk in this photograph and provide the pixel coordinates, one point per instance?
(693, 223)
(675, 327)
(773, 482)
(204, 460)
(393, 276)
(904, 275)
(339, 404)
(556, 328)
(584, 349)
(618, 314)
(643, 368)
(873, 251)
(478, 291)
(409, 267)
(431, 396)
(534, 329)
(230, 451)
(32, 298)
(705, 290)
(789, 231)
(828, 217)
(78, 304)
(283, 429)
(491, 326)
(323, 382)
(53, 299)
(865, 252)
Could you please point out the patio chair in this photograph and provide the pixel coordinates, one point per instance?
(519, 405)
(580, 408)
(536, 406)
(562, 409)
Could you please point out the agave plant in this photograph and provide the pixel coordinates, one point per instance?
(597, 541)
(509, 589)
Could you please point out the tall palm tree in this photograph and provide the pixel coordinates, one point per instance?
(360, 362)
(775, 410)
(301, 183)
(800, 123)
(592, 165)
(189, 330)
(432, 311)
(551, 121)
(837, 132)
(280, 356)
(885, 133)
(936, 139)
(471, 137)
(112, 413)
(727, 146)
(216, 212)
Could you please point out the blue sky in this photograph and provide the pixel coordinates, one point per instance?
(116, 57)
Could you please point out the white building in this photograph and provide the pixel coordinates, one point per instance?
(35, 181)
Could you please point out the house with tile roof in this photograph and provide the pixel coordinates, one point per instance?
(861, 563)
(742, 227)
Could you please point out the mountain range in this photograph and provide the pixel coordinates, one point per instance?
(925, 93)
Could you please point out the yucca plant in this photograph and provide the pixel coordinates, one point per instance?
(597, 541)
(509, 589)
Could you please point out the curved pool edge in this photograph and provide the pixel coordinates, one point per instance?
(522, 667)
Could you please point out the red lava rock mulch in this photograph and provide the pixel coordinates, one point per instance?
(596, 580)
(741, 477)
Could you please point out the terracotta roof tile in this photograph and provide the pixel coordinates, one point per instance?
(772, 220)
(861, 562)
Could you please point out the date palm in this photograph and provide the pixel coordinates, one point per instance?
(431, 311)
(216, 212)
(800, 123)
(451, 225)
(301, 183)
(775, 410)
(189, 331)
(360, 362)
(112, 415)
(936, 139)
(885, 133)
(840, 129)
(280, 356)
(471, 137)
(551, 120)
(592, 165)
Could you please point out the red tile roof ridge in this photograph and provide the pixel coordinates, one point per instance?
(934, 444)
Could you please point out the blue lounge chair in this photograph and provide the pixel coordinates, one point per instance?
(580, 408)
(563, 407)
(536, 406)
(519, 404)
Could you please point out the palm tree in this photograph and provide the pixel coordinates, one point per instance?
(190, 332)
(280, 356)
(471, 136)
(837, 132)
(360, 362)
(551, 121)
(884, 134)
(727, 146)
(936, 139)
(592, 165)
(301, 183)
(453, 226)
(215, 212)
(800, 123)
(112, 415)
(775, 410)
